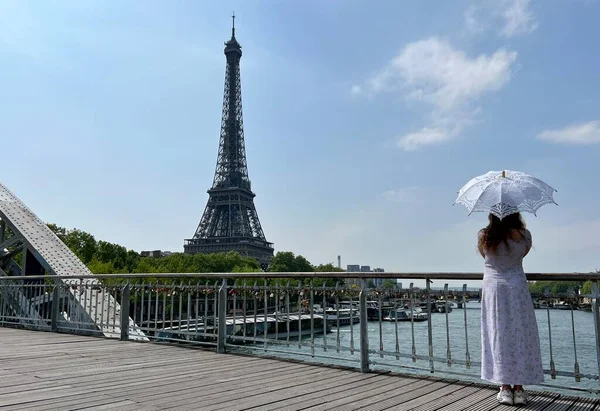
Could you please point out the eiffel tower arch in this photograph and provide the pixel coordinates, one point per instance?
(230, 220)
(42, 253)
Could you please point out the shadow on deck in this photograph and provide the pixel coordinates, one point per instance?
(49, 371)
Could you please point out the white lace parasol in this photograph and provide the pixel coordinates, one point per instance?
(505, 192)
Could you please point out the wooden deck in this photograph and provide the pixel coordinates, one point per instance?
(47, 371)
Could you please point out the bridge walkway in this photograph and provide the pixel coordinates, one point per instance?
(50, 371)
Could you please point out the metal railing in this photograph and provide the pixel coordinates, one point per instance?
(316, 315)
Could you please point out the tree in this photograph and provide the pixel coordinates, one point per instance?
(587, 287)
(198, 263)
(328, 282)
(82, 244)
(555, 287)
(327, 268)
(101, 257)
(389, 283)
(287, 262)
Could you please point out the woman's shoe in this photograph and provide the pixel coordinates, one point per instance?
(505, 397)
(520, 397)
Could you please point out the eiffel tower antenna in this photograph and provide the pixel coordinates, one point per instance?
(230, 221)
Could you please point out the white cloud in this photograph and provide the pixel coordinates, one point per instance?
(423, 137)
(581, 134)
(356, 89)
(449, 81)
(445, 77)
(509, 17)
(403, 195)
(473, 22)
(518, 19)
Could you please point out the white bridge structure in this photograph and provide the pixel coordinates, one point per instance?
(85, 309)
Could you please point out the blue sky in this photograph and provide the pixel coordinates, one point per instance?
(362, 120)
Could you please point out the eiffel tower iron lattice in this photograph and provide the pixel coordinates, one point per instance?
(230, 221)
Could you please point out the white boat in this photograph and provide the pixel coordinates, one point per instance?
(278, 326)
(341, 316)
(403, 314)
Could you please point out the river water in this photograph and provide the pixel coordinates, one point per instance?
(562, 346)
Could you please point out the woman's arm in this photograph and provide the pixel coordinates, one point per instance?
(480, 243)
(528, 242)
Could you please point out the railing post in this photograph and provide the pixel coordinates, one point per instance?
(364, 329)
(55, 308)
(596, 311)
(125, 312)
(222, 318)
(429, 327)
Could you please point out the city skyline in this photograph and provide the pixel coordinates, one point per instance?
(361, 123)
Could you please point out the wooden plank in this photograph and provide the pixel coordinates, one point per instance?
(150, 390)
(248, 387)
(447, 399)
(432, 396)
(484, 394)
(35, 395)
(369, 397)
(47, 371)
(70, 403)
(397, 397)
(138, 384)
(139, 367)
(331, 392)
(539, 401)
(112, 405)
(283, 392)
(586, 404)
(15, 379)
(29, 386)
(167, 384)
(174, 385)
(234, 398)
(561, 404)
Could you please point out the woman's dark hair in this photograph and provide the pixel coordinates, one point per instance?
(499, 231)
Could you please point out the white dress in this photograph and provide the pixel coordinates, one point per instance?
(510, 345)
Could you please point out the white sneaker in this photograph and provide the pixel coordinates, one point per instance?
(520, 397)
(505, 397)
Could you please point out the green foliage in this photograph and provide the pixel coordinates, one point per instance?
(198, 263)
(100, 257)
(287, 262)
(587, 287)
(329, 282)
(387, 283)
(81, 243)
(556, 287)
(327, 268)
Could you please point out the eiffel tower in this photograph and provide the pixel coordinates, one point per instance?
(230, 221)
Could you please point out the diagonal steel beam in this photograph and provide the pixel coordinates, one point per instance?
(57, 259)
(14, 239)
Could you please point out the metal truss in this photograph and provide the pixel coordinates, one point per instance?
(41, 252)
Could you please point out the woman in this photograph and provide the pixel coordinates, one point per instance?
(510, 346)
